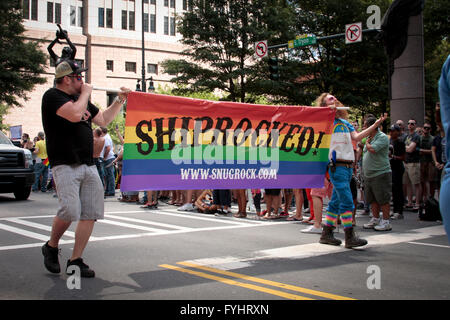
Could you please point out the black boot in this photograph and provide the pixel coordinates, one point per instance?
(351, 240)
(328, 238)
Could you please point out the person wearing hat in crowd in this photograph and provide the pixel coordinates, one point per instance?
(396, 157)
(67, 115)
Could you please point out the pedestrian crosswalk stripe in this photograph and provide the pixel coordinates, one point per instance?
(38, 226)
(25, 233)
(165, 225)
(237, 283)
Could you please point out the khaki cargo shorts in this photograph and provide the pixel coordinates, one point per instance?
(412, 173)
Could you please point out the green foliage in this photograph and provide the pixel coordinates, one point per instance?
(3, 113)
(118, 121)
(436, 20)
(204, 95)
(21, 62)
(220, 35)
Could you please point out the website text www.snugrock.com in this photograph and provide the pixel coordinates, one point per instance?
(228, 174)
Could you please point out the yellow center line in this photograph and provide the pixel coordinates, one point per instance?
(267, 282)
(236, 283)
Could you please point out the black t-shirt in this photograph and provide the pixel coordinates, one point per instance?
(398, 150)
(67, 142)
(412, 157)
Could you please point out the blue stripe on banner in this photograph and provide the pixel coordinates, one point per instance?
(163, 167)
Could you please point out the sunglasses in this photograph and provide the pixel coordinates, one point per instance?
(412, 123)
(427, 128)
(79, 77)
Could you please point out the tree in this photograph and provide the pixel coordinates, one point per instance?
(220, 35)
(436, 48)
(361, 82)
(21, 61)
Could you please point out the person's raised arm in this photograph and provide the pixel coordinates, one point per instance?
(360, 135)
(103, 118)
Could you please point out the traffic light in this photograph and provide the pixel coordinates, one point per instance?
(273, 68)
(337, 59)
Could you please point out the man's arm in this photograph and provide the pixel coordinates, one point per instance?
(360, 135)
(74, 111)
(103, 118)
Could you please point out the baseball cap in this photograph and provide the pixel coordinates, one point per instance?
(67, 67)
(395, 127)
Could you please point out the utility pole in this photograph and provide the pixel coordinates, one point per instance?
(143, 49)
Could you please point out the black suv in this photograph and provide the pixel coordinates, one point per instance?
(15, 173)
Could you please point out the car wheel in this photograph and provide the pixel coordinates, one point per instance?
(22, 193)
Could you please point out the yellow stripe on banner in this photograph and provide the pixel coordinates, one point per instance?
(131, 137)
(236, 283)
(267, 282)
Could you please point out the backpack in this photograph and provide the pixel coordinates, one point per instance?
(430, 211)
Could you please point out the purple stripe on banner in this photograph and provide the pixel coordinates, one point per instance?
(174, 182)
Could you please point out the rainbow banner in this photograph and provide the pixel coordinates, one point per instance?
(176, 143)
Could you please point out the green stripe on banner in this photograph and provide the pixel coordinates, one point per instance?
(131, 152)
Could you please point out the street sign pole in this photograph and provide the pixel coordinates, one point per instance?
(330, 37)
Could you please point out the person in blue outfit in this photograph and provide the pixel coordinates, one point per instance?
(444, 96)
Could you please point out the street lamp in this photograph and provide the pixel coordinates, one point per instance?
(151, 87)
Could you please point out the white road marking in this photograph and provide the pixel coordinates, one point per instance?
(38, 226)
(25, 233)
(129, 225)
(244, 223)
(429, 244)
(317, 249)
(166, 225)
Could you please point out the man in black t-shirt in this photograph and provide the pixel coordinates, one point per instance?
(412, 165)
(397, 156)
(67, 115)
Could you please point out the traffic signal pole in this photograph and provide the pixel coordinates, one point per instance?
(330, 37)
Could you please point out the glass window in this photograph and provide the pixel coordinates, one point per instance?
(124, 19)
(80, 16)
(166, 25)
(146, 22)
(153, 23)
(172, 26)
(152, 68)
(110, 65)
(131, 20)
(57, 12)
(152, 1)
(34, 10)
(73, 15)
(184, 4)
(101, 17)
(172, 3)
(26, 9)
(109, 18)
(50, 12)
(166, 3)
(130, 66)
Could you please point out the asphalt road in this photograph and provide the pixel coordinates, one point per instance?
(164, 254)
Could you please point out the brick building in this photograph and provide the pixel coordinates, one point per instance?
(108, 38)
